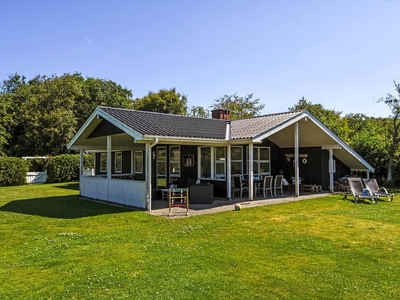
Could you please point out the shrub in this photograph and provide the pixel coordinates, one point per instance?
(65, 167)
(13, 170)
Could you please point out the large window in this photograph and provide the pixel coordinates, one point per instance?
(237, 160)
(174, 163)
(138, 162)
(118, 162)
(161, 166)
(213, 162)
(261, 160)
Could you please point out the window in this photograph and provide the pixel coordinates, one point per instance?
(261, 160)
(219, 161)
(103, 162)
(174, 163)
(213, 162)
(161, 166)
(237, 160)
(118, 162)
(138, 162)
(205, 162)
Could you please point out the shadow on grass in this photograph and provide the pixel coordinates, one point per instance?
(64, 207)
(70, 186)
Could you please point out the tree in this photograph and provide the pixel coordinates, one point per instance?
(239, 107)
(164, 101)
(329, 117)
(199, 111)
(95, 92)
(393, 103)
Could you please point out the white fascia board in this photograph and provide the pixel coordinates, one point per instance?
(278, 128)
(82, 129)
(134, 134)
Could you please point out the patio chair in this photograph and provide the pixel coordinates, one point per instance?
(267, 186)
(278, 184)
(373, 186)
(238, 185)
(358, 191)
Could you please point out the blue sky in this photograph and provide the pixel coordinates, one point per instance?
(342, 54)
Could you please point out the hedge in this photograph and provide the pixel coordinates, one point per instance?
(65, 167)
(13, 170)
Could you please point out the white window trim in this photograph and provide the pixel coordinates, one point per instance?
(212, 158)
(236, 160)
(158, 175)
(175, 176)
(220, 176)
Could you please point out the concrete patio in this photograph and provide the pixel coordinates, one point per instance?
(160, 207)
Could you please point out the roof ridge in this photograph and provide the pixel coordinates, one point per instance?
(158, 113)
(273, 114)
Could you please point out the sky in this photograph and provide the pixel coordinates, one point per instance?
(341, 54)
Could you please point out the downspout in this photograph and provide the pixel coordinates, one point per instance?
(149, 175)
(251, 171)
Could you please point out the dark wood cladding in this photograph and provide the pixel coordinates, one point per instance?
(105, 128)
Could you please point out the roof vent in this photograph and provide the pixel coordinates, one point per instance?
(222, 114)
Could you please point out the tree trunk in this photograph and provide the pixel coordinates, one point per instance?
(390, 167)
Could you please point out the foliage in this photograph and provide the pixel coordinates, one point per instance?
(65, 167)
(41, 115)
(59, 246)
(240, 107)
(329, 117)
(199, 111)
(164, 101)
(393, 102)
(13, 171)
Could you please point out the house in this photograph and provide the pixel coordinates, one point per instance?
(152, 149)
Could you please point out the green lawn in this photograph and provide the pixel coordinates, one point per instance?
(55, 245)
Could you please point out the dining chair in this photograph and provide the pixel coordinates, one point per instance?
(239, 185)
(278, 184)
(267, 186)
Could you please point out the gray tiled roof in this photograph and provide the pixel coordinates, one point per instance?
(251, 127)
(160, 124)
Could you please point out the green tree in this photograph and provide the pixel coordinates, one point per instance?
(239, 107)
(393, 102)
(95, 92)
(164, 101)
(199, 111)
(329, 117)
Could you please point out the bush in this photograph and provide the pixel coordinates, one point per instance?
(13, 170)
(65, 167)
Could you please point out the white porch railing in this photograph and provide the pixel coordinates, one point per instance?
(126, 192)
(36, 177)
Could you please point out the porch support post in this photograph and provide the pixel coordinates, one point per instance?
(148, 175)
(331, 170)
(251, 171)
(228, 173)
(109, 146)
(80, 163)
(296, 159)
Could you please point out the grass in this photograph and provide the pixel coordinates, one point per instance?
(55, 245)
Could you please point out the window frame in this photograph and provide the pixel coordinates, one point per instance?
(103, 154)
(134, 162)
(259, 161)
(174, 176)
(213, 163)
(158, 175)
(236, 160)
(115, 162)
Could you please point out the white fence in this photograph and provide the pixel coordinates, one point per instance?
(126, 192)
(36, 177)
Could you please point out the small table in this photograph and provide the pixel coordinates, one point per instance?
(164, 194)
